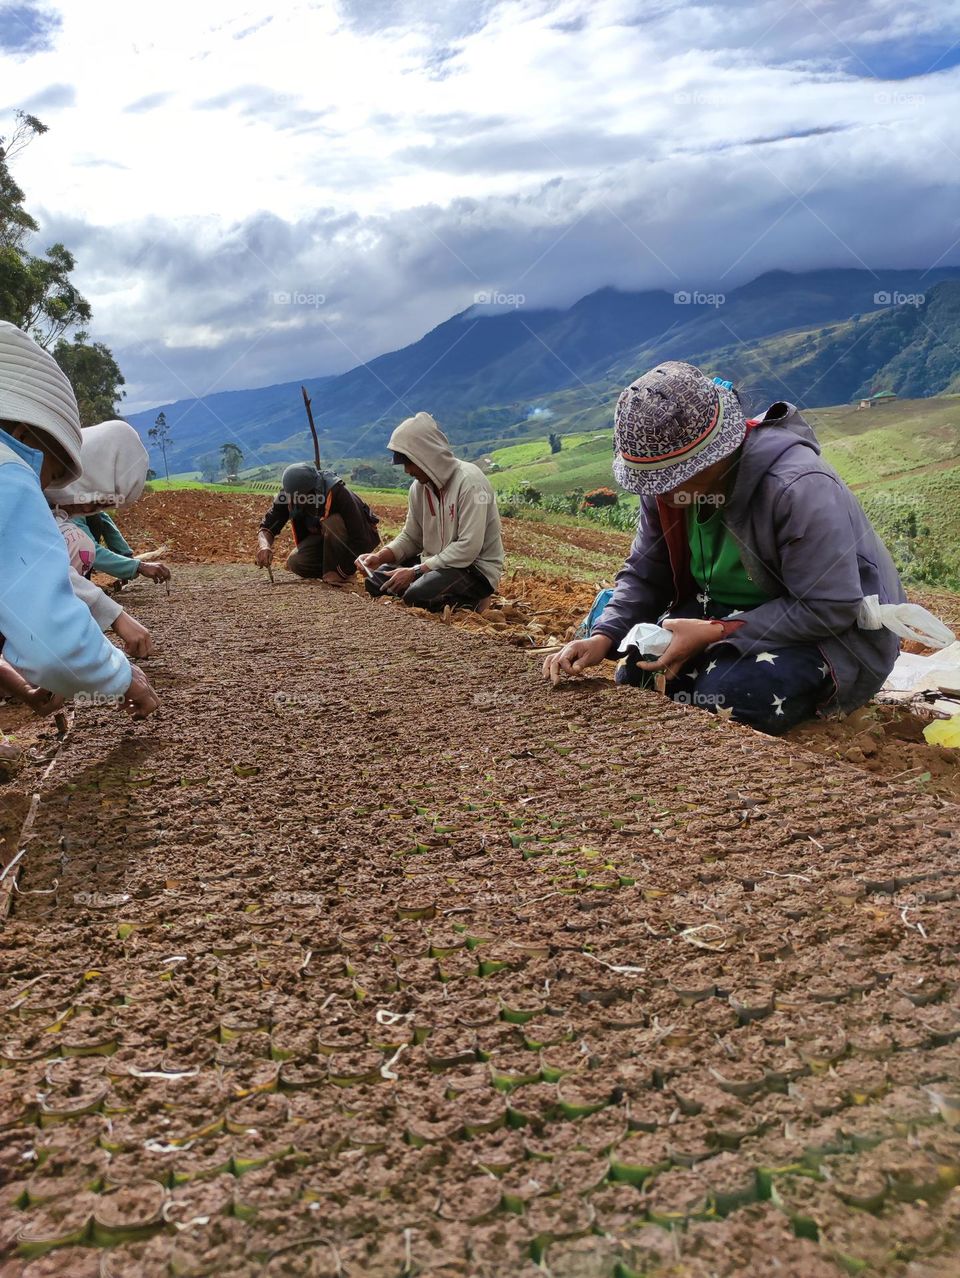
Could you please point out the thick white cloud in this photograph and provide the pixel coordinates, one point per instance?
(396, 158)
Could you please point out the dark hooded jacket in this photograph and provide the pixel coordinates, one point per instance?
(803, 538)
(308, 504)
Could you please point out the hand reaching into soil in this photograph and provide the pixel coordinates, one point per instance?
(42, 702)
(264, 555)
(13, 684)
(155, 572)
(140, 700)
(136, 638)
(573, 658)
(690, 637)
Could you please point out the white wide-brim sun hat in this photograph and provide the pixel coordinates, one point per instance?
(35, 391)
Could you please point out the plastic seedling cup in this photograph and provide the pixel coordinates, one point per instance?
(483, 1113)
(477, 1012)
(449, 1048)
(128, 1214)
(219, 1162)
(363, 1068)
(508, 1080)
(561, 1061)
(820, 1054)
(741, 1080)
(770, 1175)
(456, 965)
(24, 1049)
(731, 1183)
(546, 1031)
(58, 1105)
(241, 1163)
(443, 947)
(577, 1098)
(922, 1177)
(64, 1222)
(105, 1045)
(867, 1193)
(417, 910)
(301, 1075)
(472, 1202)
(638, 1158)
(515, 1015)
(798, 1199)
(553, 1220)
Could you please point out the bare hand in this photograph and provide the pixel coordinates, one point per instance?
(573, 658)
(156, 572)
(140, 700)
(690, 636)
(368, 563)
(42, 702)
(398, 581)
(136, 638)
(264, 556)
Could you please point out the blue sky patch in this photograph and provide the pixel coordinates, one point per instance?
(27, 28)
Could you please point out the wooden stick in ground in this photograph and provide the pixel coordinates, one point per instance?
(270, 575)
(313, 429)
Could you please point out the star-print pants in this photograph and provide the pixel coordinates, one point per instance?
(771, 691)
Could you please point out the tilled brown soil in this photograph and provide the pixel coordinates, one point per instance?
(537, 609)
(373, 955)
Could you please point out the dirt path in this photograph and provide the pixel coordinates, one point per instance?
(375, 956)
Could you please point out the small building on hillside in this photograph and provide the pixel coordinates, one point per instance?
(881, 397)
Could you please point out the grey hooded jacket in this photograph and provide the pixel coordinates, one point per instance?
(456, 526)
(805, 541)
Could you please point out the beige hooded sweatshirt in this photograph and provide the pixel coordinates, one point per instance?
(459, 527)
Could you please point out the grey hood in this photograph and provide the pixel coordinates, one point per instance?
(422, 440)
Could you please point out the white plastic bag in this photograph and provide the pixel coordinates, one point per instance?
(907, 620)
(649, 639)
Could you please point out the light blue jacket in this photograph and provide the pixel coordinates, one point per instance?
(49, 635)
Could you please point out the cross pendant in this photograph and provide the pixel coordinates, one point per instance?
(704, 598)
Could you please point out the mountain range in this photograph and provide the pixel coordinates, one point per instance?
(489, 375)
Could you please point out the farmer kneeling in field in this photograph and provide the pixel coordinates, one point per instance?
(48, 635)
(331, 525)
(450, 550)
(114, 473)
(115, 465)
(752, 548)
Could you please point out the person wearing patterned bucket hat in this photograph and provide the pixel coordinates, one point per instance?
(751, 552)
(46, 633)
